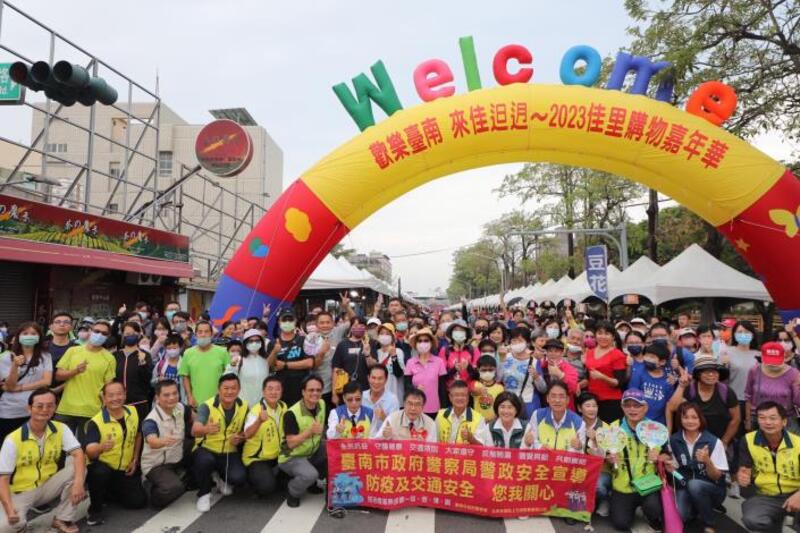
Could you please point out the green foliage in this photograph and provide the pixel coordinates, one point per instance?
(751, 45)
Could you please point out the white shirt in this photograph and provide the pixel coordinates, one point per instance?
(718, 457)
(8, 453)
(393, 383)
(387, 401)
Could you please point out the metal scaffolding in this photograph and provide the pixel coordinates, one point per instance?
(147, 199)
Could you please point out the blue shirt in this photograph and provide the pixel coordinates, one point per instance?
(657, 392)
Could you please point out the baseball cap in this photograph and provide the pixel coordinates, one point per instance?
(374, 322)
(728, 322)
(638, 320)
(287, 313)
(388, 326)
(251, 333)
(772, 353)
(685, 332)
(634, 394)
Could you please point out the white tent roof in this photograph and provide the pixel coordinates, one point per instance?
(630, 280)
(578, 290)
(338, 273)
(553, 291)
(697, 274)
(537, 292)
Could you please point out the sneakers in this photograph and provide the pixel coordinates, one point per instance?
(734, 492)
(315, 489)
(291, 501)
(204, 503)
(222, 487)
(94, 519)
(602, 509)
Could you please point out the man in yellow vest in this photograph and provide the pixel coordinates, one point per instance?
(263, 431)
(350, 420)
(302, 457)
(30, 456)
(218, 432)
(634, 462)
(461, 424)
(770, 458)
(113, 443)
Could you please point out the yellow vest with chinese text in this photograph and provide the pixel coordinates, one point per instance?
(444, 424)
(778, 474)
(120, 456)
(33, 467)
(219, 442)
(265, 443)
(552, 438)
(632, 461)
(304, 419)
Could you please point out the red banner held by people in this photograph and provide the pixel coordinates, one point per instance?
(496, 482)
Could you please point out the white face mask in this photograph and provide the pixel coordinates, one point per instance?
(423, 347)
(552, 333)
(487, 375)
(253, 347)
(385, 340)
(787, 345)
(459, 336)
(574, 349)
(518, 347)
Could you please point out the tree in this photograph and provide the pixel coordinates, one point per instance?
(340, 251)
(516, 249)
(475, 270)
(751, 45)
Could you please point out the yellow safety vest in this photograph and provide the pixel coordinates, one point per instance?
(632, 461)
(778, 474)
(33, 468)
(219, 442)
(551, 438)
(363, 423)
(444, 424)
(265, 443)
(304, 420)
(120, 456)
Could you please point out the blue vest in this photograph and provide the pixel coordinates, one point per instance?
(688, 467)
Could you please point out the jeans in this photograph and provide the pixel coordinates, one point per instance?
(106, 483)
(228, 465)
(623, 509)
(603, 491)
(261, 475)
(699, 498)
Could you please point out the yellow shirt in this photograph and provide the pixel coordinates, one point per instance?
(486, 410)
(81, 395)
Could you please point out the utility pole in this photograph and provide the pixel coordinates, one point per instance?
(621, 243)
(652, 225)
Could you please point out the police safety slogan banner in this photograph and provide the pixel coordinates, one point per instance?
(495, 482)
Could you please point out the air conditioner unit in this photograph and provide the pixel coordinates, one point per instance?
(139, 278)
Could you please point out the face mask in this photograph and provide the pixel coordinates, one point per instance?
(402, 326)
(29, 340)
(311, 328)
(574, 349)
(172, 353)
(385, 340)
(787, 345)
(97, 339)
(130, 340)
(482, 331)
(83, 336)
(144, 314)
(649, 365)
(180, 327)
(423, 347)
(518, 347)
(634, 349)
(660, 341)
(203, 341)
(459, 336)
(552, 333)
(358, 332)
(253, 347)
(744, 338)
(622, 333)
(487, 375)
(169, 315)
(373, 334)
(287, 326)
(591, 342)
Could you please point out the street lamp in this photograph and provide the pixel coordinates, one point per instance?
(32, 179)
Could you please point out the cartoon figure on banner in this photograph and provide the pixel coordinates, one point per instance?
(346, 490)
(576, 501)
(652, 433)
(612, 439)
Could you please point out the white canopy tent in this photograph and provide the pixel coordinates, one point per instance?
(338, 273)
(578, 290)
(630, 280)
(697, 274)
(553, 291)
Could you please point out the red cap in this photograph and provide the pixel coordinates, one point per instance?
(729, 322)
(772, 353)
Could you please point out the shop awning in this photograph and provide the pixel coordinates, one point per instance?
(58, 254)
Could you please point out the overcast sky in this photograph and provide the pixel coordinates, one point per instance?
(280, 59)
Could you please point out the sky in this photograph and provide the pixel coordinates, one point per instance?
(280, 60)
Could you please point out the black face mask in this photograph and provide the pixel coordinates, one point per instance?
(482, 331)
(130, 340)
(634, 350)
(649, 365)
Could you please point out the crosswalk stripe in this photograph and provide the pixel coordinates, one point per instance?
(177, 516)
(540, 524)
(416, 519)
(298, 519)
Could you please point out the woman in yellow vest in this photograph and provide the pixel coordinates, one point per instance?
(302, 457)
(263, 430)
(29, 475)
(770, 458)
(555, 427)
(218, 432)
(634, 462)
(113, 443)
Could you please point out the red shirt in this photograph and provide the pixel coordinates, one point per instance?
(611, 361)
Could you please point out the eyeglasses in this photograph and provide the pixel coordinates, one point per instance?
(43, 406)
(414, 404)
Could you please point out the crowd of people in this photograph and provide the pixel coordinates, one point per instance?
(145, 407)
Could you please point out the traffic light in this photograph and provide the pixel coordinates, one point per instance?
(64, 83)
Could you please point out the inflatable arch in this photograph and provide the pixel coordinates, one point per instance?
(752, 199)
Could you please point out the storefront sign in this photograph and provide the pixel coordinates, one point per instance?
(36, 221)
(224, 148)
(493, 482)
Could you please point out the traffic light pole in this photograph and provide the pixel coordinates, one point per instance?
(621, 243)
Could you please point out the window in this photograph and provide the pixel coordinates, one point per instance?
(113, 169)
(55, 148)
(164, 164)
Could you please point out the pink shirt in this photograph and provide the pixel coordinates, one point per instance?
(467, 355)
(427, 375)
